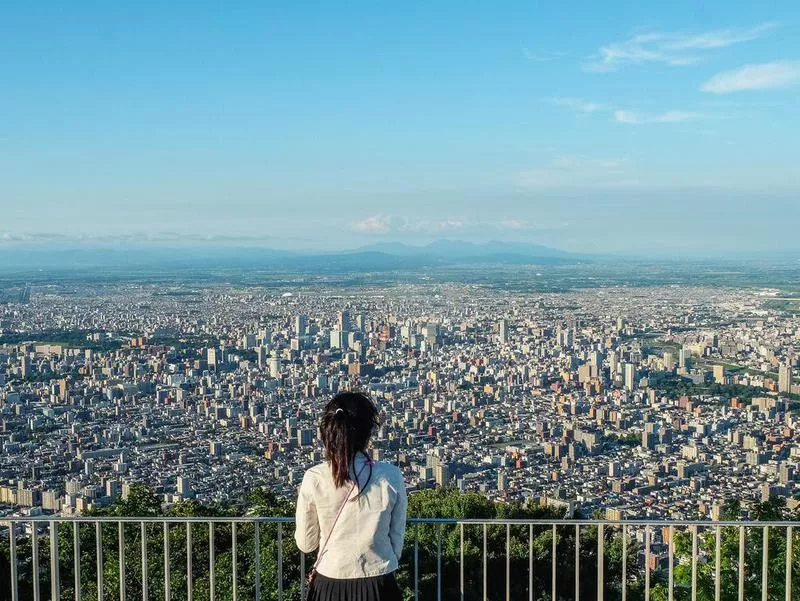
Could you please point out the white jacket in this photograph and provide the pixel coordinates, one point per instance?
(368, 538)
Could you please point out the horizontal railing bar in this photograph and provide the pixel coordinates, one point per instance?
(476, 521)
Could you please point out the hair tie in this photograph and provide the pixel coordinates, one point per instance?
(338, 411)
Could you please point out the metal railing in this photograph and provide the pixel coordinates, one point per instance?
(252, 558)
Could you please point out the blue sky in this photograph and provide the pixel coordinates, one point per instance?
(621, 127)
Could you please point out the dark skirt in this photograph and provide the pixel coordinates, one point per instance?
(375, 588)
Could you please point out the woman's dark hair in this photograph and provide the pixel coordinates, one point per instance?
(346, 428)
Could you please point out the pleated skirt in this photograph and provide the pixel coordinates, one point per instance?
(375, 588)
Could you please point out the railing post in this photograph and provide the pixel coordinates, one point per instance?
(553, 566)
(741, 563)
(765, 567)
(694, 563)
(671, 560)
(485, 571)
(37, 595)
(145, 567)
(624, 562)
(647, 563)
(121, 535)
(439, 562)
(257, 558)
(416, 562)
(577, 562)
(508, 562)
(212, 561)
(98, 533)
(718, 564)
(166, 562)
(235, 567)
(303, 591)
(600, 562)
(461, 561)
(789, 563)
(189, 578)
(76, 559)
(280, 561)
(12, 547)
(530, 562)
(55, 576)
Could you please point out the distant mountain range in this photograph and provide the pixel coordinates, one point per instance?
(460, 250)
(374, 257)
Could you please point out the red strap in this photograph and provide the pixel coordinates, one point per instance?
(341, 508)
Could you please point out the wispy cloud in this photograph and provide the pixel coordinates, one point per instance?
(633, 118)
(673, 49)
(546, 56)
(624, 115)
(577, 104)
(577, 171)
(764, 76)
(140, 237)
(383, 224)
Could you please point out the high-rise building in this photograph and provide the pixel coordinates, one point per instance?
(274, 366)
(262, 354)
(503, 331)
(785, 378)
(613, 363)
(213, 357)
(305, 437)
(719, 374)
(441, 473)
(300, 325)
(502, 480)
(630, 376)
(343, 321)
(338, 338)
(185, 489)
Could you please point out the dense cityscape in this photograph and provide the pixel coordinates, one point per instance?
(619, 402)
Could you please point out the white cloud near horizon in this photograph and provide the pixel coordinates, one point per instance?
(764, 76)
(625, 116)
(577, 104)
(672, 49)
(577, 171)
(381, 224)
(633, 118)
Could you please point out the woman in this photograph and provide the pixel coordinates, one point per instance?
(352, 508)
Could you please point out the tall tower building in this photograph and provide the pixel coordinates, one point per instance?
(719, 374)
(274, 366)
(785, 378)
(343, 321)
(503, 331)
(185, 489)
(682, 358)
(300, 325)
(630, 376)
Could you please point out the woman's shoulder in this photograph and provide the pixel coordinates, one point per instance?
(389, 471)
(316, 471)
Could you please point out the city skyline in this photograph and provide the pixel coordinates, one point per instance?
(615, 129)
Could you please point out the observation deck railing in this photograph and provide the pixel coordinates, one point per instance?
(255, 558)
